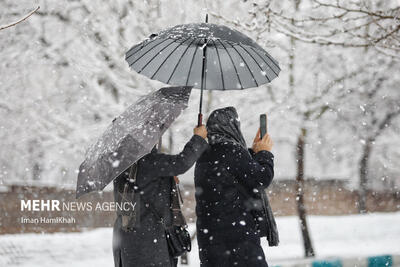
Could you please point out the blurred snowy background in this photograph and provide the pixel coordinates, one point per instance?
(63, 78)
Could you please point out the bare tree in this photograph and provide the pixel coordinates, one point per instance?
(374, 105)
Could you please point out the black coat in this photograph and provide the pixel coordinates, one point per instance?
(146, 245)
(226, 228)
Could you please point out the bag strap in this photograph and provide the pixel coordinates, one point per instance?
(131, 180)
(176, 196)
(155, 212)
(178, 189)
(176, 200)
(133, 173)
(174, 205)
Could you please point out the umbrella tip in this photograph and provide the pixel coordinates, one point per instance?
(207, 18)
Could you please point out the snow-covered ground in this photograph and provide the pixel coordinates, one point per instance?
(340, 236)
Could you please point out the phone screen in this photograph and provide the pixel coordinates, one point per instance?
(263, 125)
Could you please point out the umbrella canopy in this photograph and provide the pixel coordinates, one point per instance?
(205, 56)
(130, 136)
(174, 56)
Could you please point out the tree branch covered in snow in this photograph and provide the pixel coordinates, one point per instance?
(358, 24)
(20, 20)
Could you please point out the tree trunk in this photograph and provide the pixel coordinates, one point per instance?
(308, 248)
(36, 157)
(301, 210)
(363, 172)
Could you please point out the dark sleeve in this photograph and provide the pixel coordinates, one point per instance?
(251, 151)
(170, 165)
(252, 170)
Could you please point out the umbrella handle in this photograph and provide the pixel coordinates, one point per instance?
(200, 120)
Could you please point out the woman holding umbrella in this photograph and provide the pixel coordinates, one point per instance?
(226, 228)
(149, 213)
(142, 241)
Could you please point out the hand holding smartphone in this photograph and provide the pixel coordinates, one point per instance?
(260, 141)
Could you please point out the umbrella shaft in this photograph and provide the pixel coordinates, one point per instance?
(201, 99)
(203, 80)
(200, 119)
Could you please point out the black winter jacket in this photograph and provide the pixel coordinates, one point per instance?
(222, 212)
(146, 245)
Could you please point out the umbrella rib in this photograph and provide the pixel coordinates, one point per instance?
(147, 51)
(191, 65)
(255, 62)
(255, 51)
(179, 61)
(165, 60)
(149, 42)
(219, 62)
(233, 64)
(252, 75)
(148, 62)
(273, 61)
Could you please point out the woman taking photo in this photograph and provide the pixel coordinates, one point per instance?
(227, 230)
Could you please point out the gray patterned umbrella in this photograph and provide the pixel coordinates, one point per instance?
(130, 136)
(205, 56)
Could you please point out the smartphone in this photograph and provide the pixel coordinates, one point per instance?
(263, 125)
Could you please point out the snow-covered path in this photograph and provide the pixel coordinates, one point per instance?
(340, 236)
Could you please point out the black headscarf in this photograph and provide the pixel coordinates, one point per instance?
(223, 125)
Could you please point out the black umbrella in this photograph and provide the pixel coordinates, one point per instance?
(130, 136)
(205, 56)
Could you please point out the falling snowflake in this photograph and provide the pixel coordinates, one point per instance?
(116, 163)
